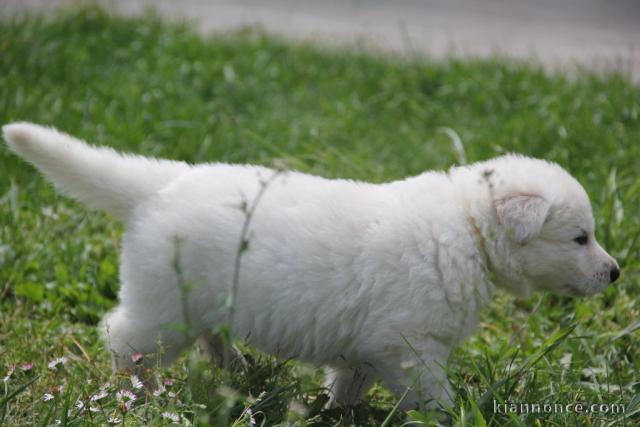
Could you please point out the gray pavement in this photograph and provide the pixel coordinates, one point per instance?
(599, 34)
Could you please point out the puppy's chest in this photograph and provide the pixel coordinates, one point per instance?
(450, 288)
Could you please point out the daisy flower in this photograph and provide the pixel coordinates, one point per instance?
(11, 368)
(159, 391)
(136, 383)
(126, 398)
(171, 416)
(101, 394)
(56, 362)
(26, 367)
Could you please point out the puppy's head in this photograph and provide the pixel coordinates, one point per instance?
(549, 227)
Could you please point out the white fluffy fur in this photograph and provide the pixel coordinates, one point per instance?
(370, 280)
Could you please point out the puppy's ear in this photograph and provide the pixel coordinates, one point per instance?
(522, 215)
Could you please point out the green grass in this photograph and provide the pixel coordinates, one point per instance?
(145, 87)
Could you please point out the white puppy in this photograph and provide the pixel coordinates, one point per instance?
(371, 280)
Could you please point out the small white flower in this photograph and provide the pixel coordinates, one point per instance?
(171, 394)
(126, 398)
(11, 368)
(171, 416)
(94, 409)
(136, 383)
(55, 362)
(47, 397)
(159, 391)
(252, 420)
(114, 420)
(99, 395)
(49, 212)
(126, 395)
(80, 405)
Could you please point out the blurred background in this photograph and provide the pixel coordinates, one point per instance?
(598, 34)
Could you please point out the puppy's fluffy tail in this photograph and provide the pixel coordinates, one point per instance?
(99, 177)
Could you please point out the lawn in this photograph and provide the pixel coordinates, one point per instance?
(162, 90)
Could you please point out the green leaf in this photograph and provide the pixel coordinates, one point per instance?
(478, 419)
(29, 290)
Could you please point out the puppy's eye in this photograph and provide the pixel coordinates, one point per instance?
(582, 240)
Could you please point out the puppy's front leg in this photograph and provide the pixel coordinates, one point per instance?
(347, 385)
(421, 376)
(421, 385)
(213, 346)
(128, 331)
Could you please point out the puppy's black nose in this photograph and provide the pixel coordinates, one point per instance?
(613, 275)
